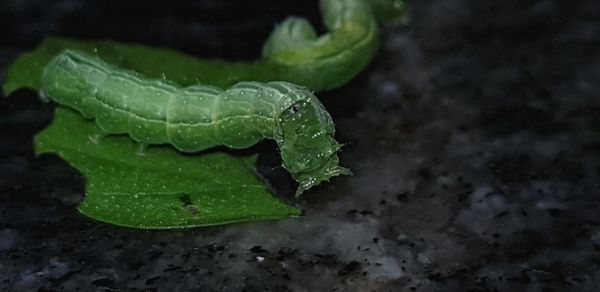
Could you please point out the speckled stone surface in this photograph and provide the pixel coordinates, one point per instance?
(474, 137)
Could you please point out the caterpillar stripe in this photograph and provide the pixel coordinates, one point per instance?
(194, 118)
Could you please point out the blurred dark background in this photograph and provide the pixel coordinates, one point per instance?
(229, 29)
(474, 136)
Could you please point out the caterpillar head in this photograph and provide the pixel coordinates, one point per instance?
(305, 137)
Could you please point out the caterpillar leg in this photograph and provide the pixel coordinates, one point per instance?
(142, 149)
(97, 137)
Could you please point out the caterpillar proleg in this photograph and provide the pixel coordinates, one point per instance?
(198, 117)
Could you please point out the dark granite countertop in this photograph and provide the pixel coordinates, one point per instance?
(474, 137)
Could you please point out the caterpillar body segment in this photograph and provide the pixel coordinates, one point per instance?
(198, 117)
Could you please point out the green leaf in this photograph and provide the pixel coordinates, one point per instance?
(163, 189)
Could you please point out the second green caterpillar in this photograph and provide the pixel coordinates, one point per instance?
(198, 117)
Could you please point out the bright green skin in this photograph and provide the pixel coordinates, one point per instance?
(332, 58)
(198, 117)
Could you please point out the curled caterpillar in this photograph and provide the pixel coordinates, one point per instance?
(293, 52)
(336, 56)
(194, 118)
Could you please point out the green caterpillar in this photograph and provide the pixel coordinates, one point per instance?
(293, 52)
(194, 118)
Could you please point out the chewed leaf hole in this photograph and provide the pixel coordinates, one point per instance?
(186, 201)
